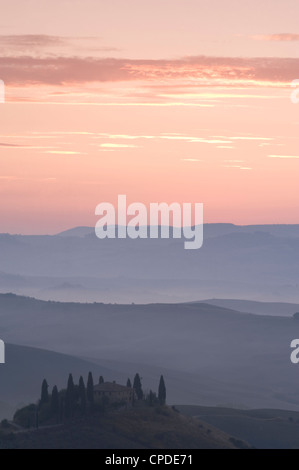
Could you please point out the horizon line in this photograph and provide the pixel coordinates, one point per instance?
(87, 227)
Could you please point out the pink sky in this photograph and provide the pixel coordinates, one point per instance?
(162, 101)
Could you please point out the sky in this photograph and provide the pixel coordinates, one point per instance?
(164, 101)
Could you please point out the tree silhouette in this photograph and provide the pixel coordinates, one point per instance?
(70, 397)
(55, 401)
(44, 393)
(89, 390)
(138, 387)
(61, 408)
(82, 395)
(162, 391)
(101, 380)
(129, 385)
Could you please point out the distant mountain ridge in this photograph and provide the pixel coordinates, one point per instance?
(211, 229)
(250, 262)
(279, 309)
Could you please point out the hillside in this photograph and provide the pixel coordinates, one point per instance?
(136, 428)
(278, 309)
(210, 355)
(25, 368)
(262, 429)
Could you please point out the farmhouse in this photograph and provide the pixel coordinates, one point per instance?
(113, 392)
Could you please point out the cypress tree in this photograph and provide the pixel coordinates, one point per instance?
(89, 390)
(36, 418)
(44, 393)
(69, 397)
(162, 391)
(138, 387)
(152, 398)
(55, 401)
(129, 385)
(82, 395)
(101, 380)
(61, 408)
(71, 388)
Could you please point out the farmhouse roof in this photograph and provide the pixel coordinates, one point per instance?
(111, 387)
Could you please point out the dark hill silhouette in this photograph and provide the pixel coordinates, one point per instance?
(262, 429)
(210, 355)
(135, 428)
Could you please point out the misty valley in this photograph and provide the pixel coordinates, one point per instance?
(69, 306)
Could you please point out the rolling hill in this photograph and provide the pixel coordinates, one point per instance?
(279, 309)
(136, 428)
(262, 429)
(25, 368)
(209, 355)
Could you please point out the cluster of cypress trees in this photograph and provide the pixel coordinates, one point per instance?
(81, 398)
(78, 397)
(139, 392)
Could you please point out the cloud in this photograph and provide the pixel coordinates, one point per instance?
(64, 152)
(118, 146)
(163, 136)
(276, 37)
(284, 156)
(10, 145)
(239, 167)
(251, 138)
(124, 136)
(43, 45)
(225, 147)
(23, 40)
(205, 71)
(22, 146)
(191, 160)
(11, 178)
